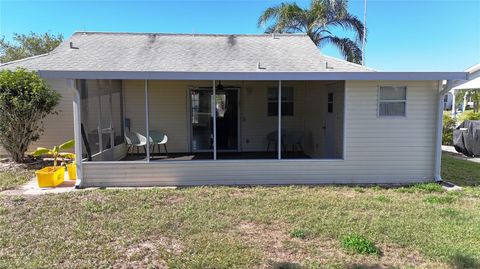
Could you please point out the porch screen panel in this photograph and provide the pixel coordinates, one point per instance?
(180, 120)
(101, 115)
(227, 105)
(245, 128)
(134, 120)
(292, 110)
(315, 131)
(90, 116)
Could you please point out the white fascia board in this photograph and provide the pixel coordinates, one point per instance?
(328, 75)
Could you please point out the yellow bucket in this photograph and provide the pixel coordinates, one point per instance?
(50, 176)
(72, 171)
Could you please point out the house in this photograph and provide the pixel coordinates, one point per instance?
(237, 109)
(473, 83)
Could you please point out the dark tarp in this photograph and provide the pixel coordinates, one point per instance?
(466, 138)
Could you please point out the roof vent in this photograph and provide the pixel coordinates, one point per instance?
(72, 47)
(328, 67)
(259, 66)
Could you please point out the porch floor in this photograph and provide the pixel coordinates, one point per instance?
(186, 156)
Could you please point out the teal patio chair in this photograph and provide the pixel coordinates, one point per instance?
(158, 138)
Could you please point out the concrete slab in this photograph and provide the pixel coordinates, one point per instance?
(452, 152)
(31, 188)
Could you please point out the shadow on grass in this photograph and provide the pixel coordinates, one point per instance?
(286, 265)
(460, 172)
(367, 266)
(289, 265)
(463, 261)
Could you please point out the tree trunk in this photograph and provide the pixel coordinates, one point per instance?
(17, 157)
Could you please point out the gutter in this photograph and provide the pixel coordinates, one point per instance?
(439, 125)
(251, 75)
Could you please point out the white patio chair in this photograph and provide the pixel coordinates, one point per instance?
(135, 140)
(272, 137)
(294, 138)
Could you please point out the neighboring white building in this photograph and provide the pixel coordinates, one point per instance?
(473, 83)
(237, 109)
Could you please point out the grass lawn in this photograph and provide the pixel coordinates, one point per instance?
(220, 227)
(14, 177)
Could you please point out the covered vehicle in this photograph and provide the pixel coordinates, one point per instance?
(466, 138)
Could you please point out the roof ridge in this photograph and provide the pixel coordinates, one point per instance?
(185, 34)
(25, 59)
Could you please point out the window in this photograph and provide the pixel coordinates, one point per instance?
(287, 101)
(392, 101)
(330, 102)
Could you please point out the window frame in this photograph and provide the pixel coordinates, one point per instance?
(379, 101)
(283, 101)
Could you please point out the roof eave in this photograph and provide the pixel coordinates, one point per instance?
(327, 75)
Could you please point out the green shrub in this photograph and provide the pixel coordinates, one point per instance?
(359, 244)
(468, 115)
(25, 99)
(447, 131)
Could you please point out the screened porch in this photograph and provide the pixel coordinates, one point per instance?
(168, 120)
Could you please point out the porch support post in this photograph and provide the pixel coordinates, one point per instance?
(99, 121)
(279, 139)
(438, 133)
(214, 114)
(146, 122)
(454, 111)
(77, 132)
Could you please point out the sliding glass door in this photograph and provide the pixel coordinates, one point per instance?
(201, 106)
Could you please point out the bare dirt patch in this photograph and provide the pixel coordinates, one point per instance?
(149, 253)
(275, 244)
(173, 200)
(279, 248)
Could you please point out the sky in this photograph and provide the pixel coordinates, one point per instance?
(403, 35)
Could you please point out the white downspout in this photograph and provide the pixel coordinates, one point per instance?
(439, 125)
(77, 132)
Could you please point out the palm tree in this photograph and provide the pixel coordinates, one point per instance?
(317, 22)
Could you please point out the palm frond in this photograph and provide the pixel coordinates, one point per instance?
(286, 17)
(350, 22)
(349, 49)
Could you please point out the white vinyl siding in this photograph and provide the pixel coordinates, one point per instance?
(377, 150)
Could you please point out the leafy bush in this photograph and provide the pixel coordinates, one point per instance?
(25, 99)
(359, 244)
(447, 131)
(469, 115)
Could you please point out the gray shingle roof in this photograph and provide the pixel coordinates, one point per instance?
(97, 51)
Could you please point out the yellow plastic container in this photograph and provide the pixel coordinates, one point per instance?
(50, 176)
(72, 171)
